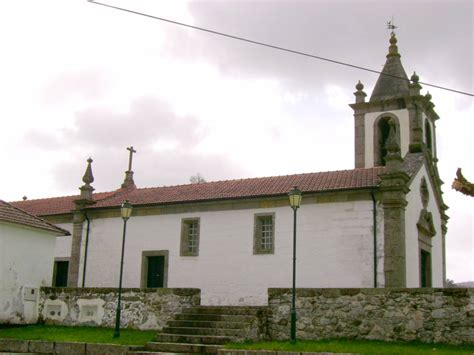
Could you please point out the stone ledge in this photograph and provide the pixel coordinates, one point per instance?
(14, 345)
(270, 352)
(64, 348)
(85, 290)
(331, 292)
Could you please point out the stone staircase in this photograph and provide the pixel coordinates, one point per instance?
(205, 329)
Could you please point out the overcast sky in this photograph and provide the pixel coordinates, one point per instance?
(80, 80)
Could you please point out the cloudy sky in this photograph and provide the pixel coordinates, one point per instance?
(80, 80)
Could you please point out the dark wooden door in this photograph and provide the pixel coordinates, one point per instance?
(60, 279)
(425, 268)
(155, 271)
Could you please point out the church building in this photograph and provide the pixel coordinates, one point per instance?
(381, 224)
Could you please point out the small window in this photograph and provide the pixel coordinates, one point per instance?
(61, 268)
(428, 136)
(264, 234)
(190, 237)
(425, 268)
(384, 130)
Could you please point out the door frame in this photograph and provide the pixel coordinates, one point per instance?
(144, 272)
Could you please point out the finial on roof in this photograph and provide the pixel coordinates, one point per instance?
(428, 96)
(414, 86)
(360, 94)
(25, 198)
(88, 179)
(129, 173)
(393, 48)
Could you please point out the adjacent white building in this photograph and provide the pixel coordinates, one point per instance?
(382, 224)
(27, 245)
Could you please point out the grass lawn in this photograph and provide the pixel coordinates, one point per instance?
(357, 346)
(77, 334)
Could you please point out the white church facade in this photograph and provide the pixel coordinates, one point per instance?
(382, 224)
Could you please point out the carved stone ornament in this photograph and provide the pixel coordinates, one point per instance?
(425, 224)
(425, 195)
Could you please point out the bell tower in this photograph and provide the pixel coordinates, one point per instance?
(396, 99)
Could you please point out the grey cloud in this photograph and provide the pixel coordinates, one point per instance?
(431, 34)
(86, 84)
(147, 120)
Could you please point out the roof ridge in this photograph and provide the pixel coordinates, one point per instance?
(258, 177)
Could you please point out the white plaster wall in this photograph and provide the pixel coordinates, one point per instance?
(370, 118)
(334, 249)
(26, 260)
(412, 214)
(63, 244)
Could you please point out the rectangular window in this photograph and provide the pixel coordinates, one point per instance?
(264, 234)
(425, 268)
(190, 237)
(61, 268)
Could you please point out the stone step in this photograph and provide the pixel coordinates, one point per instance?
(194, 339)
(208, 324)
(205, 331)
(227, 310)
(183, 347)
(214, 317)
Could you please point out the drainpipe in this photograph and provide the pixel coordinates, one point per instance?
(374, 216)
(85, 251)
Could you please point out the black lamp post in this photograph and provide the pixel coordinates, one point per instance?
(125, 211)
(295, 201)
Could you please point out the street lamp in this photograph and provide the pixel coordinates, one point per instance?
(295, 201)
(125, 211)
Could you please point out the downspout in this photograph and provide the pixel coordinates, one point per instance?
(86, 248)
(374, 216)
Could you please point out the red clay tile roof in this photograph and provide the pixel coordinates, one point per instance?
(218, 190)
(12, 214)
(55, 205)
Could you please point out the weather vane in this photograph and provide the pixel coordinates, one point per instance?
(391, 26)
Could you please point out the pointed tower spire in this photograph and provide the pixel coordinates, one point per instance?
(393, 81)
(129, 173)
(88, 179)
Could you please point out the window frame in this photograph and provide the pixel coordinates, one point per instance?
(258, 233)
(185, 236)
(144, 267)
(55, 270)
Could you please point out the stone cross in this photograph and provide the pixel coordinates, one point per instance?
(131, 150)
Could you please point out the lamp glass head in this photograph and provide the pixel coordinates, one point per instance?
(295, 197)
(126, 210)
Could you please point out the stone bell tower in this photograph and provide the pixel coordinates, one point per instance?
(396, 98)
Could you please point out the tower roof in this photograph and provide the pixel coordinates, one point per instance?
(393, 82)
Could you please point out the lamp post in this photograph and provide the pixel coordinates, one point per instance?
(125, 211)
(295, 200)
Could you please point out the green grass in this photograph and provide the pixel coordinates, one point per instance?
(77, 334)
(356, 346)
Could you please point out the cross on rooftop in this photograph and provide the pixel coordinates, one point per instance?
(131, 150)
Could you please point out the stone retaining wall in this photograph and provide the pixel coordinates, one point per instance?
(141, 308)
(428, 315)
